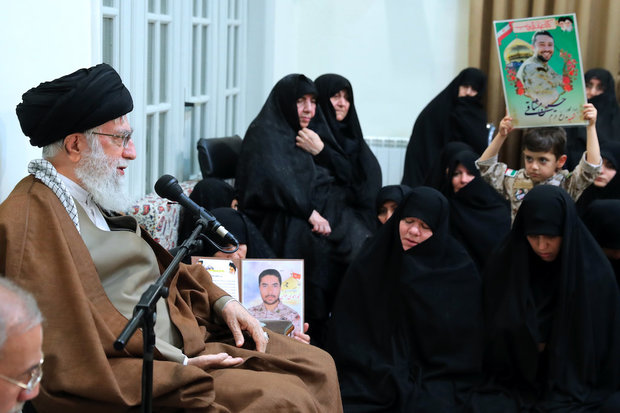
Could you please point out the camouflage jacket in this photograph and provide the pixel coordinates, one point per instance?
(514, 184)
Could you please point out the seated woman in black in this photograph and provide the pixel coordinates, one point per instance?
(388, 199)
(251, 242)
(209, 193)
(456, 114)
(351, 161)
(601, 92)
(406, 331)
(603, 220)
(552, 311)
(479, 217)
(607, 184)
(297, 204)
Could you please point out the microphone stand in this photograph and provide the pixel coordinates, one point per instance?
(145, 314)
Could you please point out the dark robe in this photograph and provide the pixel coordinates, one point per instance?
(238, 224)
(553, 328)
(447, 118)
(406, 331)
(602, 217)
(607, 119)
(42, 251)
(279, 186)
(210, 193)
(357, 168)
(610, 151)
(479, 216)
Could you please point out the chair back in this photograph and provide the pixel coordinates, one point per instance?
(218, 156)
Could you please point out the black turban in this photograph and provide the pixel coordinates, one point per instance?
(73, 103)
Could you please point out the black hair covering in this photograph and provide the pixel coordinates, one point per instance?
(445, 119)
(394, 193)
(73, 103)
(209, 193)
(244, 230)
(603, 220)
(279, 185)
(406, 330)
(607, 118)
(611, 152)
(572, 305)
(479, 216)
(352, 162)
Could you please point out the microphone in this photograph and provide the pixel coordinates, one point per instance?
(168, 187)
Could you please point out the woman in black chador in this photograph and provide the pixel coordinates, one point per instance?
(297, 204)
(603, 220)
(351, 162)
(456, 114)
(479, 216)
(552, 312)
(607, 184)
(388, 199)
(209, 193)
(406, 331)
(601, 92)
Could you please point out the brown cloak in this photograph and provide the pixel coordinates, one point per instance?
(41, 250)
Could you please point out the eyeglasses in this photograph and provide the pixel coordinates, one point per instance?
(35, 378)
(126, 138)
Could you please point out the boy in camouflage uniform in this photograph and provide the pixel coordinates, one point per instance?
(544, 154)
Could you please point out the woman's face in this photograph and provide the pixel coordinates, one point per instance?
(240, 253)
(467, 90)
(547, 247)
(413, 231)
(608, 172)
(306, 108)
(386, 211)
(594, 87)
(341, 104)
(461, 177)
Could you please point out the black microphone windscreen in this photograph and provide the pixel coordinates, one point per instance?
(168, 187)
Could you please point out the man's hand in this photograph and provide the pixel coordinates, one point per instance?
(309, 141)
(589, 113)
(238, 320)
(215, 361)
(319, 224)
(303, 337)
(505, 126)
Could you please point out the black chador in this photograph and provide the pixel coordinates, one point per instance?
(553, 324)
(447, 118)
(406, 332)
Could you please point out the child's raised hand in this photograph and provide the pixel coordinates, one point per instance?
(589, 113)
(505, 126)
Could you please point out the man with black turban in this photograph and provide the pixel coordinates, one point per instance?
(96, 266)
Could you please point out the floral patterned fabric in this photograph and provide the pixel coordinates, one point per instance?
(159, 216)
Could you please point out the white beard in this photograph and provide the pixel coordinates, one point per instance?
(99, 176)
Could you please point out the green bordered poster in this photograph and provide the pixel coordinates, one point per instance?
(540, 63)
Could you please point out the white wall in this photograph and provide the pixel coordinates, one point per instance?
(398, 54)
(40, 40)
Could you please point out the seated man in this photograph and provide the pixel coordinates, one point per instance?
(96, 267)
(20, 347)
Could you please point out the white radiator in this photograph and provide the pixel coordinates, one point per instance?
(390, 152)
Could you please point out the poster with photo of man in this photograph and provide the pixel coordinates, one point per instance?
(540, 64)
(274, 290)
